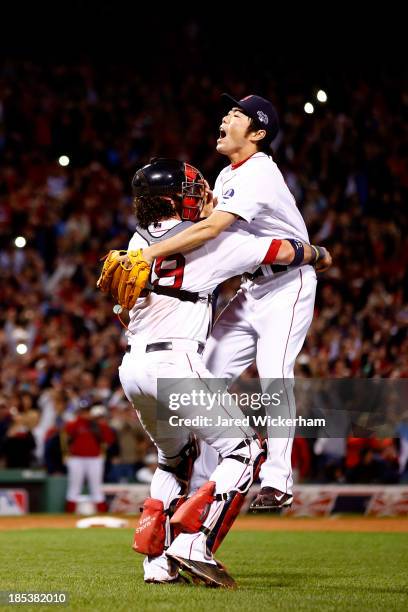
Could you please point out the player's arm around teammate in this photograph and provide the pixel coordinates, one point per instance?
(219, 221)
(211, 227)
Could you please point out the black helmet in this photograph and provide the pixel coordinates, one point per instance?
(170, 177)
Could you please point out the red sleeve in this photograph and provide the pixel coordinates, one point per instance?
(272, 252)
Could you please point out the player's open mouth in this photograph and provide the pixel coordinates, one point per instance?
(222, 134)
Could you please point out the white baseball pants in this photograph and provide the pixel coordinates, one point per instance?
(139, 374)
(266, 323)
(81, 469)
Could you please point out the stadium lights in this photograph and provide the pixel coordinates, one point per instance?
(309, 108)
(21, 348)
(321, 96)
(20, 242)
(63, 160)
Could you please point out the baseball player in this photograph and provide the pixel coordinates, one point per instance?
(268, 319)
(166, 336)
(87, 436)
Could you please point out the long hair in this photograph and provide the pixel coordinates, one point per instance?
(152, 209)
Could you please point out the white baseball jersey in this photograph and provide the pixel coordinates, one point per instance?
(256, 191)
(160, 317)
(268, 320)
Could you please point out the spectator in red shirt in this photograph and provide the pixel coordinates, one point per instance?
(86, 439)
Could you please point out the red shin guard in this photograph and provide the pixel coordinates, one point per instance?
(230, 512)
(225, 522)
(191, 515)
(150, 533)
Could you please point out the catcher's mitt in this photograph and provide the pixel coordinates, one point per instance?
(124, 275)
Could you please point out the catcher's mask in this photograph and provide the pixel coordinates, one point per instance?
(170, 177)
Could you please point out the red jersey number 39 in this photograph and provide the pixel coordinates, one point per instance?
(169, 268)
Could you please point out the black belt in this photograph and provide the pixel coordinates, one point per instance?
(181, 294)
(164, 346)
(276, 269)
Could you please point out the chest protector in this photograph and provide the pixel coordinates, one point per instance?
(180, 294)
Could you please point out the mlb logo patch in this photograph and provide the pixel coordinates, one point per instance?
(228, 194)
(13, 502)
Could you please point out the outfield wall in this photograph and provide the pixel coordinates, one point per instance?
(24, 491)
(309, 500)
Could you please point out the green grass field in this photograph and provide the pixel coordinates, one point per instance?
(274, 570)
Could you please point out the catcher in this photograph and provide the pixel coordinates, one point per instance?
(168, 327)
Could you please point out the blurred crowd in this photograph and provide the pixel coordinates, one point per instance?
(60, 344)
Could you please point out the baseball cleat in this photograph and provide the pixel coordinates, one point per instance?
(271, 499)
(211, 575)
(179, 579)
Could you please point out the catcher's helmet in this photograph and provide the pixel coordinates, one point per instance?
(170, 177)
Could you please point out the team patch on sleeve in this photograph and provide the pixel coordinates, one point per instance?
(228, 194)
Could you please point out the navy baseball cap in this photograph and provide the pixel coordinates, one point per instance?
(261, 111)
